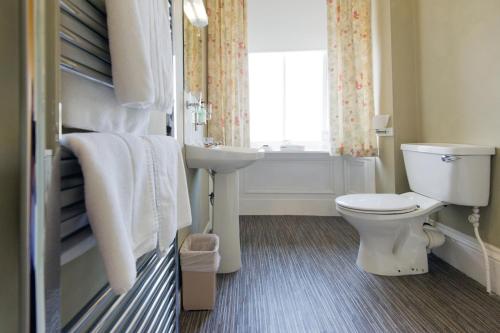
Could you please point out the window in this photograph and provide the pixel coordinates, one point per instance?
(288, 98)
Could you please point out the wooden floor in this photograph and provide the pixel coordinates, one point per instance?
(299, 275)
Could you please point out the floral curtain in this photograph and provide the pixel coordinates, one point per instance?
(194, 70)
(350, 78)
(228, 71)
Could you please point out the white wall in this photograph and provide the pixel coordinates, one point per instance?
(286, 25)
(459, 68)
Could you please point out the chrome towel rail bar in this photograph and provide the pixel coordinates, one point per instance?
(84, 40)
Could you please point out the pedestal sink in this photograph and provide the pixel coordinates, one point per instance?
(224, 163)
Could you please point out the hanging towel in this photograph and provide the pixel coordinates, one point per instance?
(91, 106)
(130, 58)
(135, 195)
(141, 53)
(172, 201)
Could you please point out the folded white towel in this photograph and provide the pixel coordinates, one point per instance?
(92, 106)
(141, 53)
(130, 56)
(135, 195)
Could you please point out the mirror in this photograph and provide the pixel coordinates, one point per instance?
(195, 73)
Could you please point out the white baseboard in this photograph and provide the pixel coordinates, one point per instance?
(312, 207)
(464, 253)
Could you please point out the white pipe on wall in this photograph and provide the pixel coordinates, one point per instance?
(474, 220)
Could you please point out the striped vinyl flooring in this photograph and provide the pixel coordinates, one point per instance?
(299, 275)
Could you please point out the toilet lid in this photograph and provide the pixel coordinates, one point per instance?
(377, 203)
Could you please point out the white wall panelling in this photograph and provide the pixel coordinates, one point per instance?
(359, 175)
(300, 183)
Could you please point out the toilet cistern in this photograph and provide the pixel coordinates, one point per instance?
(224, 162)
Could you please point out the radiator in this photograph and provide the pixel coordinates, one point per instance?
(152, 305)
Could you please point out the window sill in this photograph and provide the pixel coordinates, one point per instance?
(309, 147)
(298, 152)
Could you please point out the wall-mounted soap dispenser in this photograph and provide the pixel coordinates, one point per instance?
(200, 110)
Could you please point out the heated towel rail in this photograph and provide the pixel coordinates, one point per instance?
(84, 40)
(76, 235)
(152, 305)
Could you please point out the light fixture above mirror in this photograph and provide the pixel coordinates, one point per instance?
(196, 13)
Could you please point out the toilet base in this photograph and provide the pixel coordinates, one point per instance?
(403, 263)
(394, 244)
(391, 246)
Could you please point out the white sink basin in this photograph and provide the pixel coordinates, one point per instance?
(221, 159)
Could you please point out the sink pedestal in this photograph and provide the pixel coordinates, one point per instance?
(223, 162)
(226, 220)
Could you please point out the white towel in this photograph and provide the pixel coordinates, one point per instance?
(141, 53)
(173, 201)
(135, 194)
(92, 106)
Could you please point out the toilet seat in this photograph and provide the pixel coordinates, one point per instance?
(378, 204)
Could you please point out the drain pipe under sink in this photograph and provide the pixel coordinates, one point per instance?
(474, 220)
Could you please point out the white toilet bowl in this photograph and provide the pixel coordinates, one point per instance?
(392, 238)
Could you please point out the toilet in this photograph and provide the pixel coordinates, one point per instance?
(394, 235)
